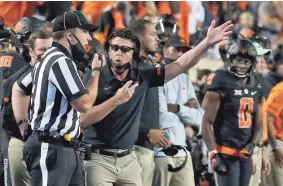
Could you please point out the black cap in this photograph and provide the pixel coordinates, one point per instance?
(72, 19)
(178, 42)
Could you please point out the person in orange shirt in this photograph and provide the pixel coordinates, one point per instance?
(274, 108)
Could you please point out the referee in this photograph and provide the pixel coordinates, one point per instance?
(57, 98)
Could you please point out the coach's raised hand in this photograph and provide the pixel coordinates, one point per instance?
(220, 33)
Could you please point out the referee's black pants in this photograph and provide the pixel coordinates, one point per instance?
(52, 164)
(239, 171)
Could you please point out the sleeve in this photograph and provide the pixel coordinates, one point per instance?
(155, 75)
(214, 82)
(191, 116)
(25, 82)
(65, 77)
(274, 103)
(166, 119)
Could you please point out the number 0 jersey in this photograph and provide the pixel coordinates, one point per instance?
(235, 118)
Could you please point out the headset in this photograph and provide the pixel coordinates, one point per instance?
(172, 151)
(131, 36)
(127, 34)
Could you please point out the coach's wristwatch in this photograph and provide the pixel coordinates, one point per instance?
(178, 108)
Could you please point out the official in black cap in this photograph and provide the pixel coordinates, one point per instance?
(58, 98)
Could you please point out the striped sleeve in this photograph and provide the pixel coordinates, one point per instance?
(64, 75)
(25, 82)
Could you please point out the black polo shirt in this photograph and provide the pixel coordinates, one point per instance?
(150, 113)
(120, 128)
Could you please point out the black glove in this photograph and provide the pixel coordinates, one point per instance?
(216, 162)
(248, 150)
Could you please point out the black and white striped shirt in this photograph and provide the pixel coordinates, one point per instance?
(53, 83)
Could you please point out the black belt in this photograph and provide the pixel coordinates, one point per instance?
(47, 138)
(108, 153)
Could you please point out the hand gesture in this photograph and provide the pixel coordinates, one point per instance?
(220, 33)
(98, 61)
(192, 103)
(157, 138)
(126, 92)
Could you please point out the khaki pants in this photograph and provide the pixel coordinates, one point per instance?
(275, 178)
(108, 171)
(18, 168)
(162, 177)
(257, 156)
(146, 160)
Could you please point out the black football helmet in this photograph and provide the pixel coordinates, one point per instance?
(241, 58)
(23, 30)
(167, 26)
(26, 26)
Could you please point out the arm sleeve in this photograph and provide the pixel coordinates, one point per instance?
(166, 118)
(25, 82)
(274, 103)
(191, 116)
(64, 75)
(155, 75)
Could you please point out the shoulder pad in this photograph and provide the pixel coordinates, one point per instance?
(217, 80)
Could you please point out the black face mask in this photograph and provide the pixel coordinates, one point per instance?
(78, 51)
(168, 60)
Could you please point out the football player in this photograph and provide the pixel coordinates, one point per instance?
(232, 124)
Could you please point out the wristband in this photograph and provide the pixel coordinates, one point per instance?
(96, 69)
(275, 148)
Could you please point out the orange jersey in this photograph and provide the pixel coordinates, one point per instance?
(274, 106)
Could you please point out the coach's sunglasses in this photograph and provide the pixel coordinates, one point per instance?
(123, 49)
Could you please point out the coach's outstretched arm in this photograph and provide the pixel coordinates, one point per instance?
(190, 58)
